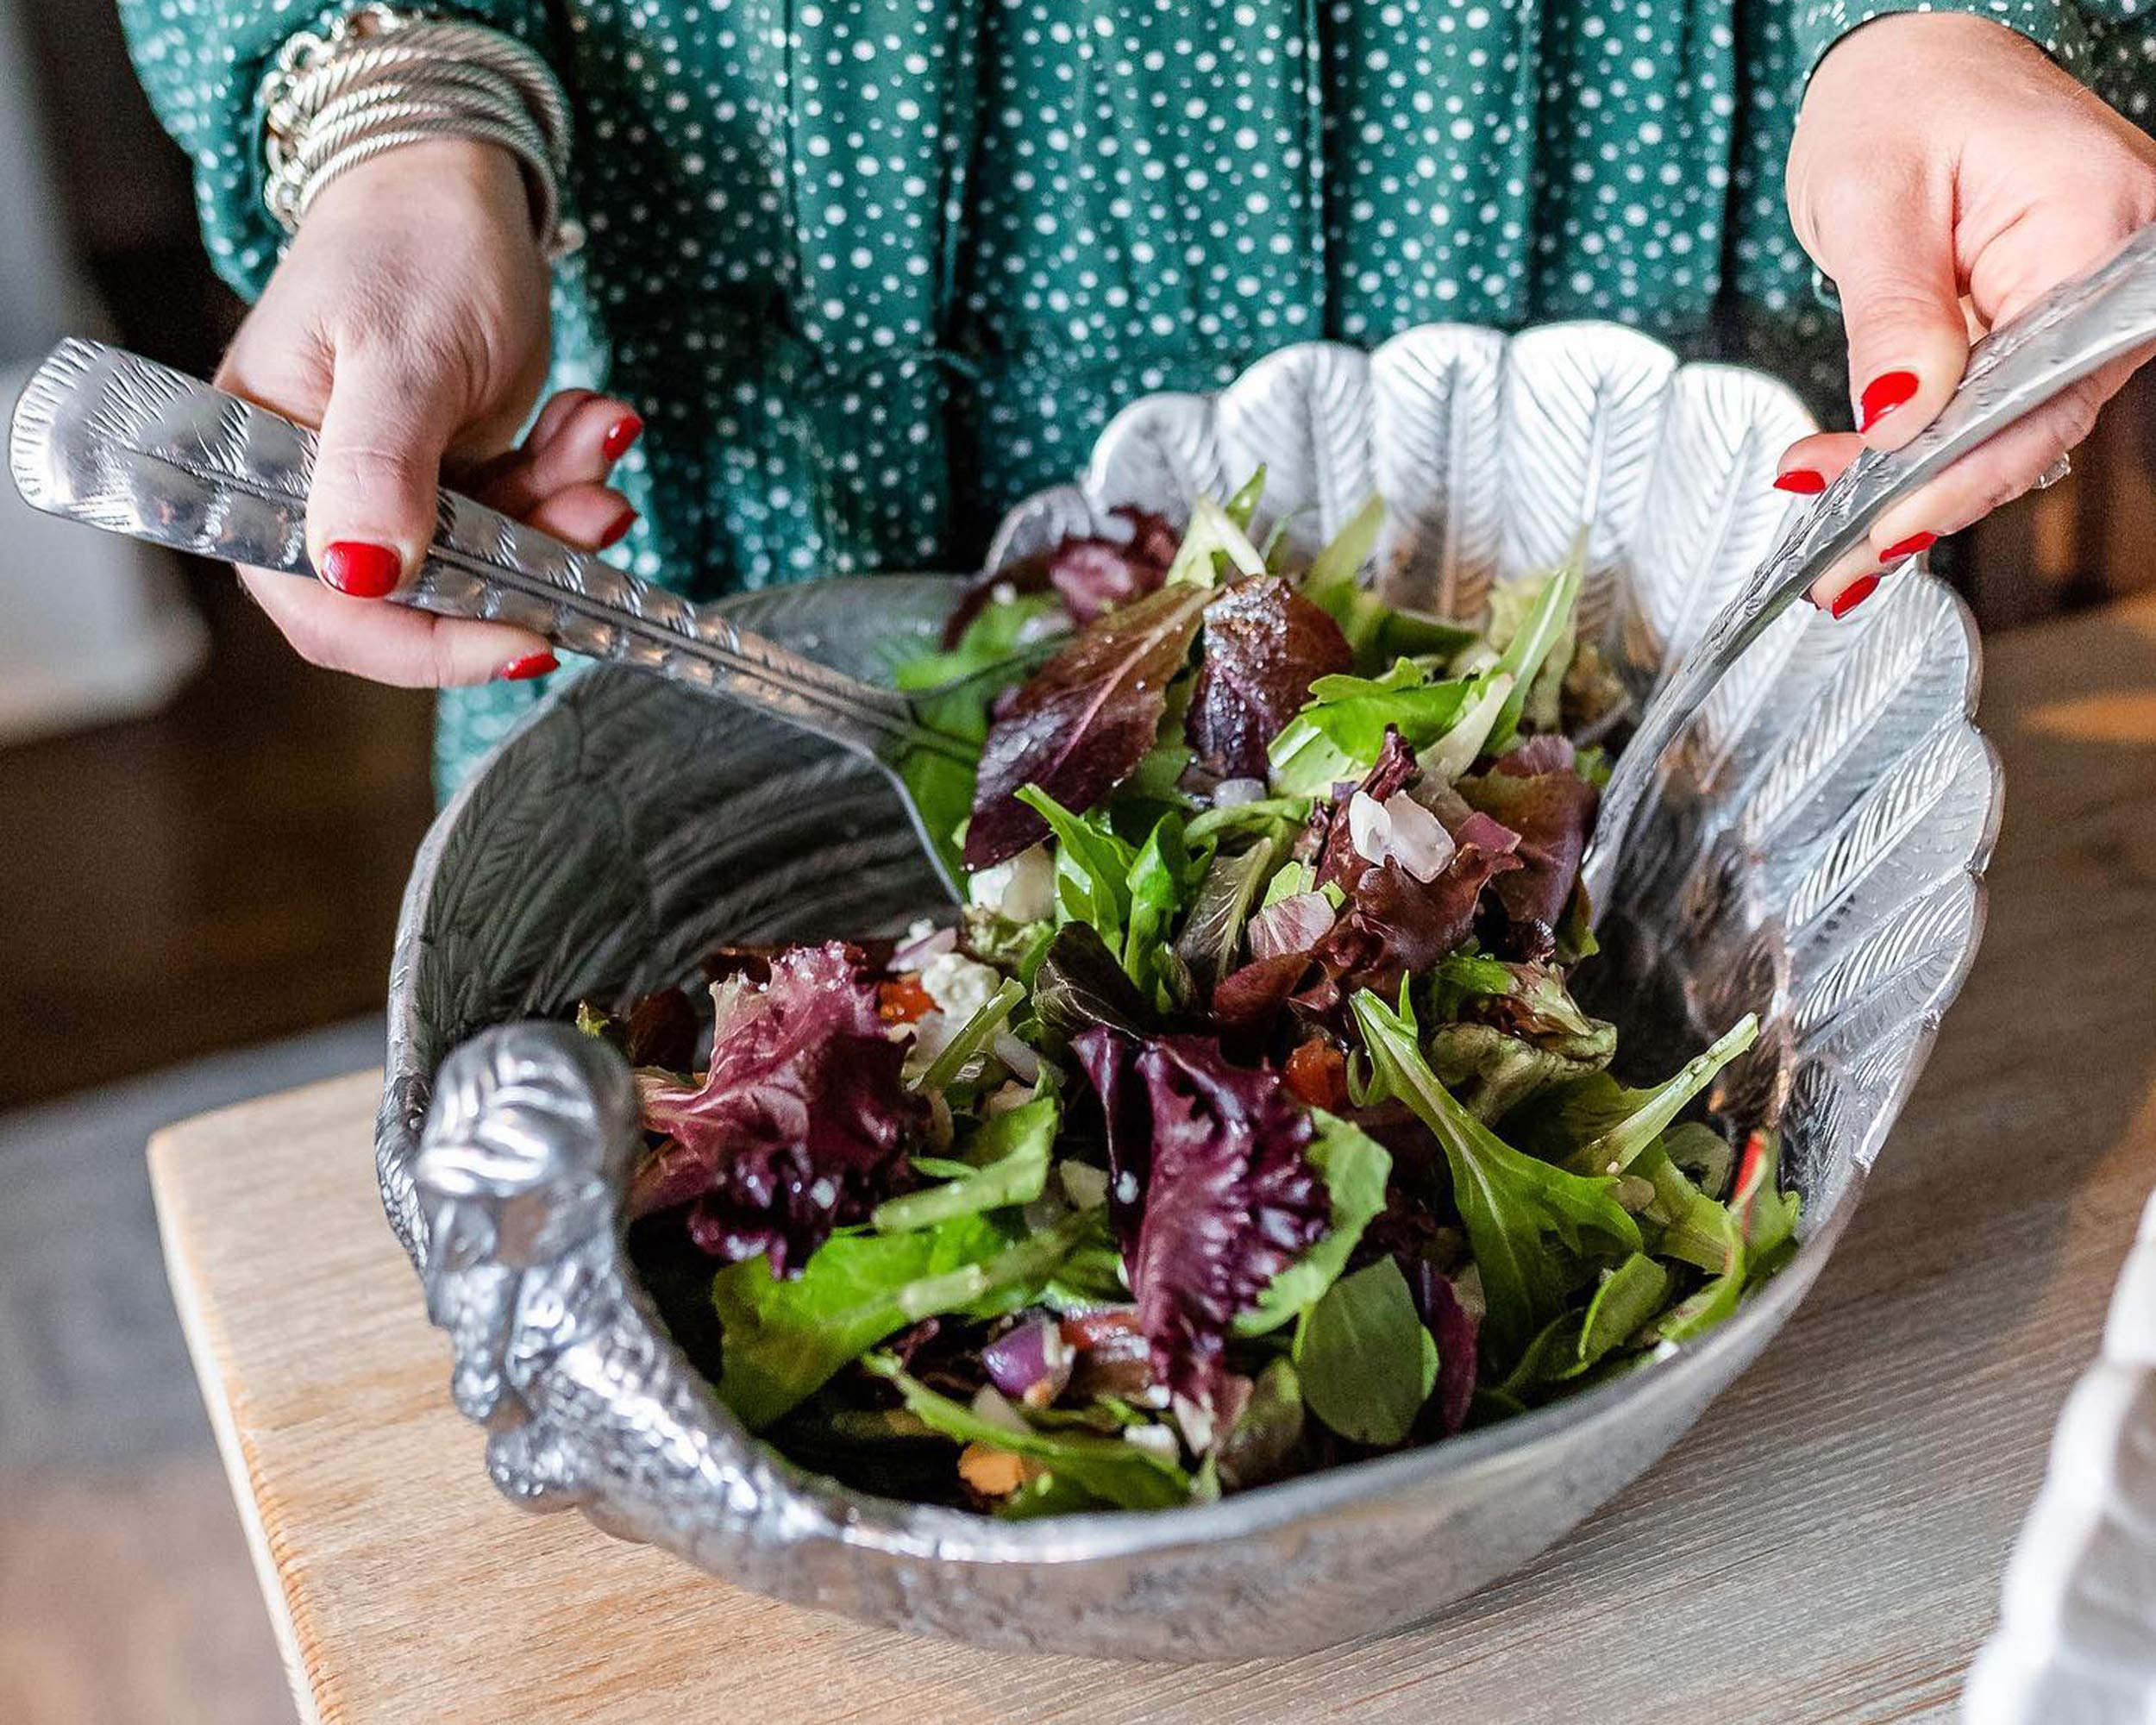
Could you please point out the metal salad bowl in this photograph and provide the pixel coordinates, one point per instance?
(1815, 857)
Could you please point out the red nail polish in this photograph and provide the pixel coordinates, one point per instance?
(618, 530)
(620, 434)
(1908, 548)
(1853, 595)
(1882, 395)
(364, 571)
(531, 665)
(1804, 481)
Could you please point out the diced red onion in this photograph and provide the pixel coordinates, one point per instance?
(1401, 831)
(1031, 1363)
(918, 948)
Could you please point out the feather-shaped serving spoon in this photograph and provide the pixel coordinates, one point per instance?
(107, 437)
(2077, 328)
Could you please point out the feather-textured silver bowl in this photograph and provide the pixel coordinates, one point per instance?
(1816, 860)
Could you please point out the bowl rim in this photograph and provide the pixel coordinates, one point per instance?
(899, 1527)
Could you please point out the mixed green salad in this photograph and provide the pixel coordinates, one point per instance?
(1245, 1122)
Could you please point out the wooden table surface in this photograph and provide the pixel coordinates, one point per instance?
(1826, 1544)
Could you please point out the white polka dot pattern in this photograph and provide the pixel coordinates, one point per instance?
(874, 269)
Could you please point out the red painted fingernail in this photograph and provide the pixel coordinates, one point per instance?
(620, 434)
(1908, 548)
(531, 665)
(618, 530)
(1804, 481)
(365, 571)
(1882, 395)
(1853, 595)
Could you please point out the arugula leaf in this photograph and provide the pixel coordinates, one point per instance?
(1366, 1362)
(1093, 868)
(971, 1040)
(1648, 1113)
(1537, 638)
(1340, 730)
(1210, 938)
(1008, 1164)
(1162, 877)
(783, 1341)
(1355, 1168)
(996, 639)
(1124, 1474)
(1628, 1296)
(1084, 721)
(1510, 1203)
(1266, 816)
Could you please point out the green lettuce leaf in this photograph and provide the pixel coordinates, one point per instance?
(1007, 1163)
(1374, 629)
(781, 1342)
(1513, 1205)
(1337, 736)
(1366, 1360)
(1355, 1168)
(1093, 868)
(1535, 641)
(1116, 1471)
(1162, 880)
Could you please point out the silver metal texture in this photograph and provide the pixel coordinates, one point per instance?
(108, 438)
(1817, 860)
(2076, 328)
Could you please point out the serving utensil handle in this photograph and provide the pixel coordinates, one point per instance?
(2077, 328)
(107, 437)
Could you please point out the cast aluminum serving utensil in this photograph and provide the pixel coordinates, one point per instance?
(2077, 329)
(107, 437)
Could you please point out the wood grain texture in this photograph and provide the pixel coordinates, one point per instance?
(1826, 1544)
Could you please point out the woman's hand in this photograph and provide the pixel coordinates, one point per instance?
(409, 321)
(1945, 174)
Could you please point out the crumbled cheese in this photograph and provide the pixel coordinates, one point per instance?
(960, 986)
(1022, 889)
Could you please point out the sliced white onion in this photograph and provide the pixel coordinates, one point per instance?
(1401, 831)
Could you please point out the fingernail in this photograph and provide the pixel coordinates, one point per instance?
(620, 434)
(618, 530)
(1908, 548)
(364, 571)
(524, 669)
(1853, 595)
(1882, 395)
(1804, 481)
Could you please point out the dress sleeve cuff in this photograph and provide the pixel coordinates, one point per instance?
(2053, 25)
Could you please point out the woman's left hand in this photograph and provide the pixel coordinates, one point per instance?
(1944, 174)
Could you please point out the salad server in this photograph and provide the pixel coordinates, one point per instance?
(107, 437)
(2075, 329)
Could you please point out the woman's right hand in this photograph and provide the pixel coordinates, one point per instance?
(409, 321)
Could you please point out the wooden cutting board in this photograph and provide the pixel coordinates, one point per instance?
(1826, 1544)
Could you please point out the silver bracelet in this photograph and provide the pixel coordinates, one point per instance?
(380, 78)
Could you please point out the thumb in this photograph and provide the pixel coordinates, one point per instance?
(371, 508)
(1887, 240)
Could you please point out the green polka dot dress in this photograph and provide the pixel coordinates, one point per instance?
(874, 269)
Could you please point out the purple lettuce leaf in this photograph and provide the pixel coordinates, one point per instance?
(1552, 812)
(798, 1124)
(1264, 645)
(1219, 1199)
(1396, 925)
(1079, 727)
(1457, 1333)
(1088, 572)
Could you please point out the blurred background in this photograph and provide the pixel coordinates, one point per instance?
(202, 844)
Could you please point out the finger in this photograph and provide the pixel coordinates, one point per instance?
(389, 643)
(592, 517)
(372, 507)
(2000, 470)
(1811, 464)
(582, 448)
(1852, 580)
(1887, 239)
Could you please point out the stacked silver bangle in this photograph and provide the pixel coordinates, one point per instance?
(379, 79)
